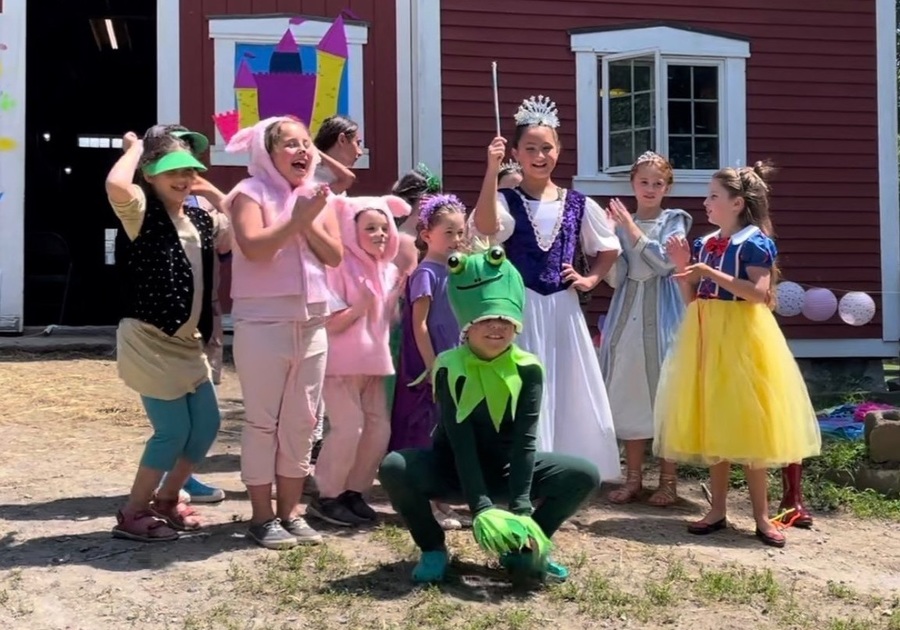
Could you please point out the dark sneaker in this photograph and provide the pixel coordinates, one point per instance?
(333, 511)
(300, 529)
(316, 449)
(356, 504)
(272, 535)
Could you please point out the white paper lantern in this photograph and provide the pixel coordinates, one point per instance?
(819, 305)
(790, 297)
(857, 308)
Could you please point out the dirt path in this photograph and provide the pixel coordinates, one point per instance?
(71, 435)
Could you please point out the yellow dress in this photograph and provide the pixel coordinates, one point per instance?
(730, 389)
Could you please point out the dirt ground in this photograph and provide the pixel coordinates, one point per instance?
(72, 434)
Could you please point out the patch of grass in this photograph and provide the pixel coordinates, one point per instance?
(431, 609)
(506, 619)
(396, 539)
(840, 591)
(738, 586)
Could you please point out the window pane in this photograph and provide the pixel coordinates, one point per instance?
(601, 124)
(621, 149)
(706, 118)
(706, 153)
(693, 111)
(620, 78)
(643, 76)
(681, 152)
(643, 141)
(620, 113)
(679, 117)
(706, 82)
(643, 110)
(679, 81)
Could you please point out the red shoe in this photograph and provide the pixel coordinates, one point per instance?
(792, 497)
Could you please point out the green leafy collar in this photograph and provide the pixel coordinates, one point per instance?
(496, 381)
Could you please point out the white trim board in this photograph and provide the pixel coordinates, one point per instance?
(671, 43)
(12, 166)
(888, 197)
(427, 116)
(227, 32)
(404, 35)
(168, 62)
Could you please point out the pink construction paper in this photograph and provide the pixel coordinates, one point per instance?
(227, 123)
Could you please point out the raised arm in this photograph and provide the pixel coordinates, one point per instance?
(120, 186)
(344, 177)
(652, 251)
(258, 241)
(324, 238)
(521, 462)
(485, 214)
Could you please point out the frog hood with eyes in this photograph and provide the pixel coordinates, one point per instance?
(483, 286)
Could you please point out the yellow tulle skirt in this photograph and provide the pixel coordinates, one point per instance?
(730, 390)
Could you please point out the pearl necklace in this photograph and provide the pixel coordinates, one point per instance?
(544, 243)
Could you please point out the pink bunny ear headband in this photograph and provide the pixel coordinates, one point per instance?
(390, 205)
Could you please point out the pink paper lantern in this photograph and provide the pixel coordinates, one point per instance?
(856, 308)
(789, 298)
(819, 305)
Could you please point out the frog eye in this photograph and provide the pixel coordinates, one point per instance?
(495, 256)
(456, 263)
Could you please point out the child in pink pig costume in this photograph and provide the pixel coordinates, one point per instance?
(366, 287)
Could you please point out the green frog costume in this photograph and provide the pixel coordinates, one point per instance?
(484, 446)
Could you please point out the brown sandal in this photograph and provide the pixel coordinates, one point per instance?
(665, 494)
(630, 489)
(177, 515)
(142, 526)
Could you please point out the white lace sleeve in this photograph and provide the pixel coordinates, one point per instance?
(506, 227)
(597, 231)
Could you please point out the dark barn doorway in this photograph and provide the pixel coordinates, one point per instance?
(91, 76)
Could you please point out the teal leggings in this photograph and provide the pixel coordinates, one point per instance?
(182, 428)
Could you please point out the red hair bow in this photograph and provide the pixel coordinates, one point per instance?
(716, 245)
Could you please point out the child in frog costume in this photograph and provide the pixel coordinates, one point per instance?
(489, 391)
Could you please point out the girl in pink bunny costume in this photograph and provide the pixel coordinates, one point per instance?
(366, 287)
(286, 235)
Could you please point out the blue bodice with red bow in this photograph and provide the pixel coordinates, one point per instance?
(747, 248)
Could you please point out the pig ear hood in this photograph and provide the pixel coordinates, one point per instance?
(348, 208)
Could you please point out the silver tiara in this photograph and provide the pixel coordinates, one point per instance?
(537, 111)
(512, 165)
(646, 156)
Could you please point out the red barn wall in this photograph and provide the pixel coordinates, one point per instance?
(380, 68)
(811, 107)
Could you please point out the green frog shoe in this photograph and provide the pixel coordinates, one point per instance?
(432, 567)
(521, 567)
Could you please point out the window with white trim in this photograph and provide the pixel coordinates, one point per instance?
(678, 92)
(230, 35)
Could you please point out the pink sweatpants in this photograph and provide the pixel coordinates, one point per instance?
(359, 429)
(281, 366)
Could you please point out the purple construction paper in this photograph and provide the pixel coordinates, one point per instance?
(350, 14)
(244, 77)
(335, 39)
(286, 94)
(287, 44)
(297, 20)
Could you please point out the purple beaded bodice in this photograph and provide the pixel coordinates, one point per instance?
(542, 271)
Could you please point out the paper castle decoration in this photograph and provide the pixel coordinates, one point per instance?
(288, 89)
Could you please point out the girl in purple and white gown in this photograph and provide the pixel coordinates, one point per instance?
(545, 229)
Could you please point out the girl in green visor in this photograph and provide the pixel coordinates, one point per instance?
(165, 254)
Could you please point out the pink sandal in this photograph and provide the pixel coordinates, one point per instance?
(177, 515)
(142, 526)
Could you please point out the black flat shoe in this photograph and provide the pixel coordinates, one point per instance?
(703, 529)
(769, 540)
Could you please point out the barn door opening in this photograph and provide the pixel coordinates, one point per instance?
(90, 77)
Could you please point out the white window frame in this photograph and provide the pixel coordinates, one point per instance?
(593, 50)
(226, 33)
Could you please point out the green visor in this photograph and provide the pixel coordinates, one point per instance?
(197, 141)
(172, 162)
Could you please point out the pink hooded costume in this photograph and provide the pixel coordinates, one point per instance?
(280, 308)
(359, 358)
